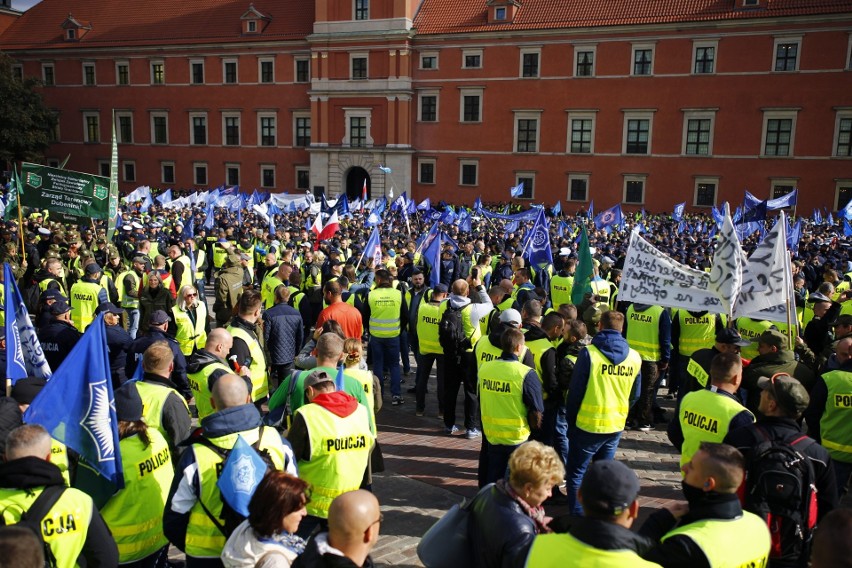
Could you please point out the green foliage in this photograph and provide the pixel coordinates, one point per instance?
(26, 125)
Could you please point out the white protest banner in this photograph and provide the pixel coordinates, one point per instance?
(652, 277)
(726, 272)
(767, 278)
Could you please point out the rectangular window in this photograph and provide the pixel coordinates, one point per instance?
(843, 148)
(585, 62)
(698, 136)
(199, 129)
(526, 134)
(129, 171)
(359, 67)
(779, 136)
(232, 174)
(787, 55)
(303, 131)
(232, 130)
(357, 131)
(200, 174)
(267, 176)
(303, 70)
(89, 74)
(469, 173)
(780, 188)
(843, 193)
(48, 74)
(167, 172)
(643, 60)
(428, 108)
(429, 61)
(267, 71)
(500, 13)
(158, 73)
(472, 59)
(529, 189)
(303, 178)
(529, 64)
(638, 136)
(581, 135)
(104, 168)
(267, 131)
(229, 72)
(705, 59)
(18, 72)
(159, 129)
(92, 123)
(634, 190)
(426, 171)
(578, 187)
(125, 129)
(362, 9)
(471, 107)
(122, 73)
(705, 192)
(196, 70)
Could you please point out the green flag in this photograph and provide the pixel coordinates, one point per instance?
(113, 185)
(11, 211)
(585, 270)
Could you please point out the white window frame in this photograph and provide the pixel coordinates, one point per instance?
(705, 180)
(153, 128)
(349, 113)
(641, 47)
(468, 162)
(206, 173)
(296, 116)
(104, 166)
(578, 176)
(251, 26)
(775, 182)
(260, 116)
(359, 55)
(634, 177)
(467, 52)
(638, 115)
(434, 163)
(581, 115)
(583, 48)
(470, 91)
(296, 172)
(274, 175)
(308, 61)
(779, 114)
(238, 116)
(529, 51)
(844, 113)
(839, 183)
(44, 67)
(124, 165)
(696, 45)
(192, 141)
(698, 114)
(260, 62)
(203, 71)
(151, 65)
(500, 13)
(527, 115)
(118, 65)
(233, 165)
(354, 5)
(90, 65)
(429, 93)
(849, 54)
(787, 39)
(174, 172)
(236, 63)
(86, 115)
(526, 174)
(426, 55)
(124, 114)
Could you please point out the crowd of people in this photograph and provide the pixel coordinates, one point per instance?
(304, 340)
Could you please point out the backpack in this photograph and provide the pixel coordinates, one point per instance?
(780, 487)
(31, 519)
(229, 520)
(451, 332)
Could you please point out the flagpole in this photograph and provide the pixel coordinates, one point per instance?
(20, 191)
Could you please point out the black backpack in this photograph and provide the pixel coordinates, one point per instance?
(32, 517)
(451, 333)
(229, 520)
(780, 487)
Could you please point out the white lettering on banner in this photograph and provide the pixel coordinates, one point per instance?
(652, 277)
(726, 272)
(766, 278)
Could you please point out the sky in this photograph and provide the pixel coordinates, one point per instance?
(24, 5)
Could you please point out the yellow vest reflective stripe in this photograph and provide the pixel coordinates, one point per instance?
(836, 422)
(607, 399)
(186, 277)
(504, 415)
(698, 372)
(59, 458)
(365, 377)
(65, 526)
(153, 399)
(126, 301)
(551, 550)
(738, 543)
(560, 290)
(470, 328)
(134, 515)
(385, 305)
(203, 538)
(643, 331)
(267, 288)
(428, 318)
(187, 335)
(340, 450)
(84, 301)
(199, 261)
(695, 332)
(705, 416)
(751, 330)
(199, 383)
(42, 286)
(259, 382)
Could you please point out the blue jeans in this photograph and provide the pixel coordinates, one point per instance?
(386, 355)
(132, 322)
(583, 448)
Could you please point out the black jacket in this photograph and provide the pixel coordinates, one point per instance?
(118, 340)
(500, 532)
(57, 340)
(175, 418)
(200, 359)
(602, 535)
(283, 332)
(550, 384)
(312, 557)
(138, 347)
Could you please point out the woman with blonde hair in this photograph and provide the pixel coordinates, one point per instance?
(189, 321)
(353, 350)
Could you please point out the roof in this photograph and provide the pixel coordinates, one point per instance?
(117, 23)
(465, 16)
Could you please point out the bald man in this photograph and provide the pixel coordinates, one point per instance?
(195, 491)
(354, 521)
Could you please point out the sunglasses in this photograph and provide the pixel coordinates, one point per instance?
(191, 295)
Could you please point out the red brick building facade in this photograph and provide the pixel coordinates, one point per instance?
(616, 101)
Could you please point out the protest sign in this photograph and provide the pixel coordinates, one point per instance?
(726, 272)
(64, 191)
(767, 278)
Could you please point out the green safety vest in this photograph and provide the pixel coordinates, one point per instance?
(603, 289)
(126, 301)
(42, 286)
(186, 278)
(259, 382)
(250, 253)
(365, 378)
(835, 424)
(59, 458)
(607, 399)
(203, 538)
(469, 327)
(751, 330)
(65, 526)
(506, 304)
(504, 414)
(743, 542)
(385, 305)
(220, 254)
(134, 515)
(199, 383)
(199, 261)
(267, 288)
(551, 551)
(643, 332)
(560, 290)
(154, 251)
(153, 399)
(84, 302)
(188, 336)
(695, 332)
(428, 318)
(538, 348)
(705, 416)
(340, 451)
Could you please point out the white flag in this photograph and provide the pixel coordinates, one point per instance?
(767, 279)
(726, 273)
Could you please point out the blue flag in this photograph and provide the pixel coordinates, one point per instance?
(146, 204)
(754, 214)
(189, 229)
(209, 217)
(272, 229)
(425, 205)
(165, 197)
(432, 254)
(339, 382)
(386, 170)
(24, 356)
(591, 211)
(539, 251)
(464, 224)
(477, 205)
(830, 220)
(557, 209)
(817, 217)
(793, 236)
(517, 190)
(241, 474)
(77, 406)
(608, 217)
(717, 216)
(373, 248)
(677, 213)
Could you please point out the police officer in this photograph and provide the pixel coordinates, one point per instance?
(751, 329)
(128, 284)
(118, 340)
(50, 277)
(58, 337)
(246, 350)
(649, 333)
(386, 314)
(72, 527)
(86, 296)
(180, 268)
(426, 324)
(697, 376)
(206, 365)
(562, 283)
(511, 404)
(157, 332)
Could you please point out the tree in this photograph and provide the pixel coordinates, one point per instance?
(26, 124)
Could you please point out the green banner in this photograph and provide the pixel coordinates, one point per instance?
(64, 191)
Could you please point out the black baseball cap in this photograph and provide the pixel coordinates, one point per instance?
(609, 487)
(731, 336)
